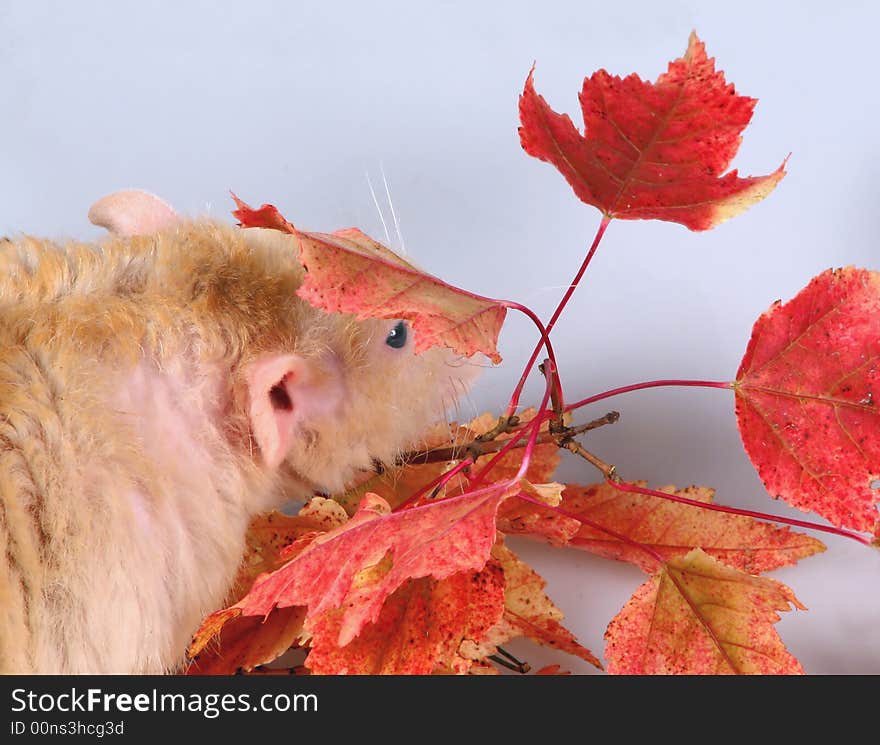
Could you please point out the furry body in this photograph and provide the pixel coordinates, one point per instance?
(129, 464)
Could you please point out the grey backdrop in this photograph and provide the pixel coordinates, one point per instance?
(297, 103)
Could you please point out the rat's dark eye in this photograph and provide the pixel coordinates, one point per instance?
(397, 338)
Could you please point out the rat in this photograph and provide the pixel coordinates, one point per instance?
(159, 388)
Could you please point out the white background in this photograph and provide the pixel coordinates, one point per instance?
(296, 103)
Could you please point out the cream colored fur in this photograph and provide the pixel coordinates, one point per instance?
(128, 467)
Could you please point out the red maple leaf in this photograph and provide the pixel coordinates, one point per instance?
(528, 612)
(361, 563)
(420, 628)
(807, 398)
(652, 150)
(349, 272)
(552, 670)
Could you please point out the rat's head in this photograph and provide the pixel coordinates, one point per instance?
(317, 396)
(348, 395)
(338, 395)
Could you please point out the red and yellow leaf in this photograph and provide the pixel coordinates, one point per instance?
(545, 459)
(419, 629)
(673, 529)
(698, 616)
(652, 150)
(358, 565)
(349, 272)
(517, 517)
(807, 395)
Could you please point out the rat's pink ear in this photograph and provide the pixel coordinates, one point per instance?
(132, 213)
(283, 390)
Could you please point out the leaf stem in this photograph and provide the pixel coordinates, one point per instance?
(549, 371)
(534, 425)
(629, 487)
(648, 384)
(544, 342)
(514, 399)
(437, 483)
(612, 478)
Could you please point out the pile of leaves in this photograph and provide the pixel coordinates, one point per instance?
(409, 572)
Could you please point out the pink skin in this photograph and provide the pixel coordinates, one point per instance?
(132, 212)
(275, 417)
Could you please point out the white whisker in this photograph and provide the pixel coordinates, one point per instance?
(468, 362)
(468, 399)
(378, 208)
(454, 397)
(393, 213)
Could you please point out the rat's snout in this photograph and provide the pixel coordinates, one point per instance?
(465, 370)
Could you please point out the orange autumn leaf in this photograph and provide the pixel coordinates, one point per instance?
(349, 272)
(477, 668)
(671, 529)
(528, 612)
(662, 526)
(270, 533)
(698, 616)
(652, 150)
(538, 518)
(419, 629)
(806, 398)
(516, 517)
(226, 642)
(232, 643)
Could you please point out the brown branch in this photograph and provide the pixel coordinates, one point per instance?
(505, 424)
(608, 471)
(557, 424)
(480, 446)
(506, 659)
